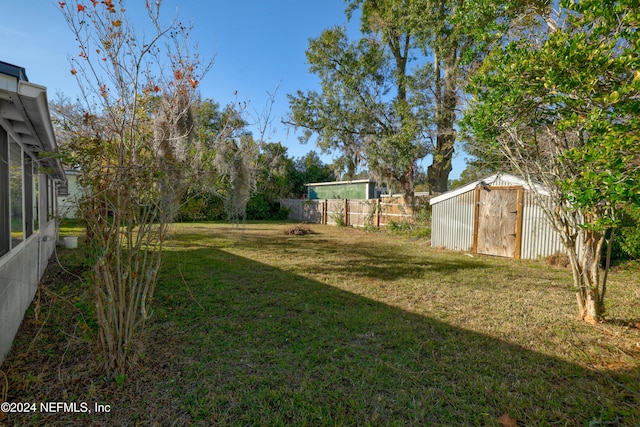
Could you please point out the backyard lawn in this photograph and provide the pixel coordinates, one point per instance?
(339, 327)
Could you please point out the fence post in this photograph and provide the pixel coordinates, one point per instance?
(378, 212)
(346, 211)
(324, 211)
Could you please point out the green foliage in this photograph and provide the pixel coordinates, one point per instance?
(120, 379)
(246, 177)
(562, 104)
(394, 226)
(366, 109)
(276, 177)
(308, 169)
(338, 218)
(626, 243)
(201, 207)
(423, 215)
(413, 229)
(261, 206)
(391, 97)
(583, 81)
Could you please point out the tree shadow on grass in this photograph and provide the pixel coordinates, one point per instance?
(238, 342)
(263, 346)
(359, 259)
(371, 259)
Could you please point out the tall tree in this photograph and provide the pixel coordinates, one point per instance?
(310, 168)
(392, 97)
(364, 110)
(275, 171)
(392, 22)
(235, 162)
(562, 105)
(276, 179)
(457, 35)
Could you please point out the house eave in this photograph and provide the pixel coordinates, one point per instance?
(24, 114)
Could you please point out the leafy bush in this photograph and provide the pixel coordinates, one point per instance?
(626, 243)
(423, 215)
(259, 207)
(338, 218)
(206, 207)
(410, 229)
(394, 226)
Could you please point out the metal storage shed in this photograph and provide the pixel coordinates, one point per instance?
(498, 215)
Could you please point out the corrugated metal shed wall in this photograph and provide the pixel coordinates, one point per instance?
(453, 221)
(539, 238)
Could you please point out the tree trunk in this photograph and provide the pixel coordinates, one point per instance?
(405, 179)
(446, 103)
(585, 266)
(438, 171)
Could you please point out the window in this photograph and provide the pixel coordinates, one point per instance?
(5, 207)
(51, 199)
(36, 201)
(63, 189)
(16, 193)
(28, 196)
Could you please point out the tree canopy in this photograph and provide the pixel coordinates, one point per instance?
(364, 110)
(391, 97)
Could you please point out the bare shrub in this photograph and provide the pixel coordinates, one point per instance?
(130, 135)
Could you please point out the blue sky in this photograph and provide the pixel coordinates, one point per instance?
(259, 46)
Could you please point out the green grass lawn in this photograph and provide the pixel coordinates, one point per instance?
(339, 327)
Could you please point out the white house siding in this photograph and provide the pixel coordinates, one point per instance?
(68, 204)
(20, 272)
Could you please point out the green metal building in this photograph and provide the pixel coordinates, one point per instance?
(358, 189)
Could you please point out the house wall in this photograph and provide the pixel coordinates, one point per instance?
(20, 272)
(28, 205)
(68, 203)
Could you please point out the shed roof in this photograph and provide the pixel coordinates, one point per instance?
(491, 180)
(24, 114)
(357, 181)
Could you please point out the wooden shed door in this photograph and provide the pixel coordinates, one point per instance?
(498, 222)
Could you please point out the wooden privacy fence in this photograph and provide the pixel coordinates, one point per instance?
(358, 213)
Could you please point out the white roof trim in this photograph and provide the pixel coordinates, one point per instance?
(511, 179)
(357, 181)
(24, 114)
(33, 98)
